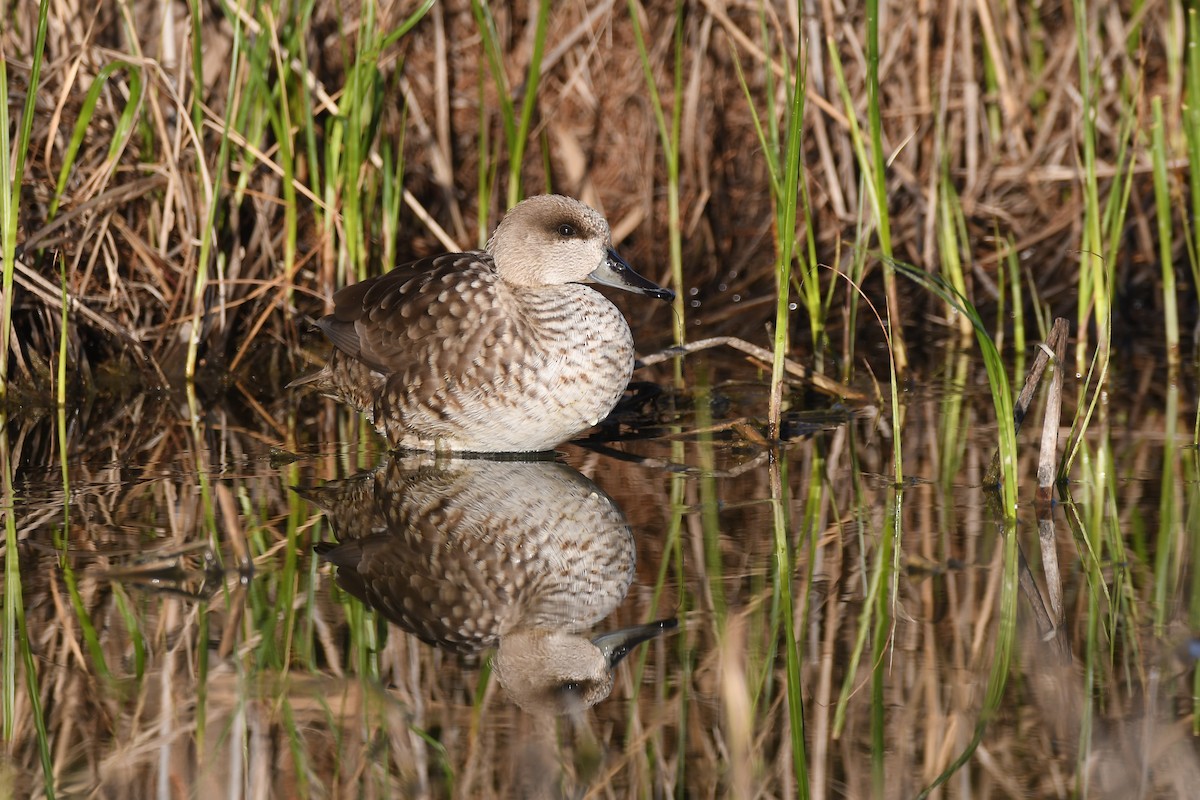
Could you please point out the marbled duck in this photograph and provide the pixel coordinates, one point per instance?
(472, 554)
(496, 350)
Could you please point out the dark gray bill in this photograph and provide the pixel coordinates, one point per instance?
(618, 644)
(613, 271)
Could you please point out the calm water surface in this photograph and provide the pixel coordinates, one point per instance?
(252, 599)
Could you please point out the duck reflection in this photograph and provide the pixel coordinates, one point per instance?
(470, 554)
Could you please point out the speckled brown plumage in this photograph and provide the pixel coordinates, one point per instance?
(473, 554)
(497, 350)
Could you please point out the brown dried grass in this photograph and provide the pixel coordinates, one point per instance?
(129, 233)
(334, 730)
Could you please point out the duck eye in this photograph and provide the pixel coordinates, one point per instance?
(566, 231)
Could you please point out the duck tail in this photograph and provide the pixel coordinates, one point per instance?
(304, 380)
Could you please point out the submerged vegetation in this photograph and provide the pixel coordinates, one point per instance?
(882, 194)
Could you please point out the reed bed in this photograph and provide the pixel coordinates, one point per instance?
(184, 635)
(203, 181)
(882, 193)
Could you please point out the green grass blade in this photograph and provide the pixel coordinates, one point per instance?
(792, 174)
(998, 381)
(12, 594)
(1191, 131)
(782, 569)
(876, 187)
(211, 189)
(516, 157)
(669, 137)
(1095, 276)
(998, 675)
(120, 135)
(409, 23)
(10, 182)
(1162, 203)
(495, 61)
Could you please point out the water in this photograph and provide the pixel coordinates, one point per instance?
(187, 639)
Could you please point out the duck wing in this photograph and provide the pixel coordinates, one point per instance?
(440, 312)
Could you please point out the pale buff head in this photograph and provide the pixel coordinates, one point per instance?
(552, 671)
(549, 240)
(558, 671)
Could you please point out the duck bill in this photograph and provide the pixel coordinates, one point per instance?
(613, 271)
(618, 644)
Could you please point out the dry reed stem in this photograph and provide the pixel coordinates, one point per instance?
(130, 230)
(819, 381)
(594, 117)
(944, 626)
(1058, 335)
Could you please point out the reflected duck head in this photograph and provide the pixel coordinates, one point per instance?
(555, 672)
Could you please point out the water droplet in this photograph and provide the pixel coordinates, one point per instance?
(792, 306)
(694, 291)
(695, 304)
(721, 287)
(737, 298)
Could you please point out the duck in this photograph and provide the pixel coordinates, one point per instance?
(518, 557)
(508, 349)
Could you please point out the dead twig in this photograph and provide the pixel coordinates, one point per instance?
(51, 295)
(1056, 340)
(819, 382)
